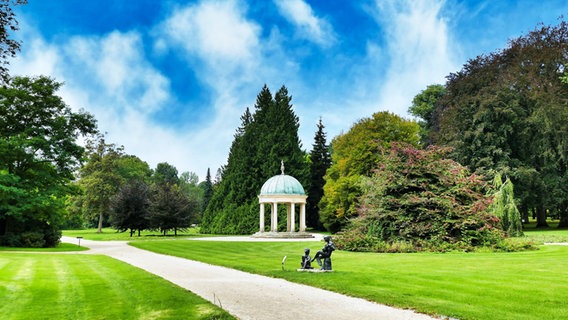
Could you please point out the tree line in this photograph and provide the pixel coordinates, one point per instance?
(507, 112)
(489, 148)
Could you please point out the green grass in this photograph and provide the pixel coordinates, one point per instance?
(521, 285)
(56, 286)
(111, 234)
(62, 247)
(542, 235)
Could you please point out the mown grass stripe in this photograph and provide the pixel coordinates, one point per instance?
(92, 287)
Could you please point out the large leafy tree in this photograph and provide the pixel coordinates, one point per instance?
(129, 207)
(265, 137)
(508, 112)
(423, 106)
(166, 173)
(170, 208)
(100, 179)
(189, 185)
(320, 161)
(38, 156)
(354, 155)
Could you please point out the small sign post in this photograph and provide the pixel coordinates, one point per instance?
(79, 240)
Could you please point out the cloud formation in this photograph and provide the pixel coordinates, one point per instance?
(418, 42)
(308, 25)
(173, 89)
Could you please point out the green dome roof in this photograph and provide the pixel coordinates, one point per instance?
(282, 184)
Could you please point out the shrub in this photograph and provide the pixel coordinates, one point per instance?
(420, 200)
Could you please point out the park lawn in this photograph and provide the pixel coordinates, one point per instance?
(61, 247)
(78, 286)
(109, 234)
(520, 285)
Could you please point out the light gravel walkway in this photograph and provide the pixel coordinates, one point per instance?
(245, 295)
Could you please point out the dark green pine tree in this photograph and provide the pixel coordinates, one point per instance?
(320, 161)
(261, 142)
(207, 187)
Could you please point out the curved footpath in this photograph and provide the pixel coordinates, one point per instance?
(246, 295)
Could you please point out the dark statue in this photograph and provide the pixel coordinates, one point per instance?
(325, 254)
(306, 260)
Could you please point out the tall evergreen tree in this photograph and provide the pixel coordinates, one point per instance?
(207, 186)
(320, 160)
(261, 142)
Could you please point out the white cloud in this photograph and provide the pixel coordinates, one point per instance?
(214, 30)
(115, 63)
(309, 25)
(418, 43)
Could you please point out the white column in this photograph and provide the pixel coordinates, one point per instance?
(303, 217)
(261, 217)
(293, 217)
(274, 227)
(288, 219)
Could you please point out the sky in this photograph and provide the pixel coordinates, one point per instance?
(169, 79)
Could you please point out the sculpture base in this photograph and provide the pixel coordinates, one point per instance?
(283, 235)
(313, 270)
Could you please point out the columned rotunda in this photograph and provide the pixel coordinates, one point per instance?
(283, 189)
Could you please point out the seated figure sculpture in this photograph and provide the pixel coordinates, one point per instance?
(325, 254)
(306, 260)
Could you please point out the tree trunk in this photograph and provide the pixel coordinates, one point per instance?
(139, 232)
(541, 217)
(524, 214)
(100, 227)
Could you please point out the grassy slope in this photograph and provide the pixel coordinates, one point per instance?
(55, 286)
(523, 285)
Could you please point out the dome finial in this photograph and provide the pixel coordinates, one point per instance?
(282, 166)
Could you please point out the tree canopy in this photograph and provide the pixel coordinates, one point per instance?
(421, 200)
(265, 137)
(38, 156)
(354, 155)
(507, 112)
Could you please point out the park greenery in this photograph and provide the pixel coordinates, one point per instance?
(82, 286)
(488, 151)
(481, 285)
(265, 138)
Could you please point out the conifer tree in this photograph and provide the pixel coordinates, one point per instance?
(261, 142)
(505, 208)
(320, 160)
(207, 190)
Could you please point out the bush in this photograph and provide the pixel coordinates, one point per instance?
(418, 200)
(32, 240)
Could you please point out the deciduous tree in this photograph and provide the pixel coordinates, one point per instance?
(38, 155)
(354, 155)
(507, 112)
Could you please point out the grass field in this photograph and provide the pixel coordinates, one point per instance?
(76, 286)
(522, 285)
(62, 247)
(112, 234)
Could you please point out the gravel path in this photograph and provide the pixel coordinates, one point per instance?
(245, 295)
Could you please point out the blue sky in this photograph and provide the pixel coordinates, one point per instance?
(169, 79)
